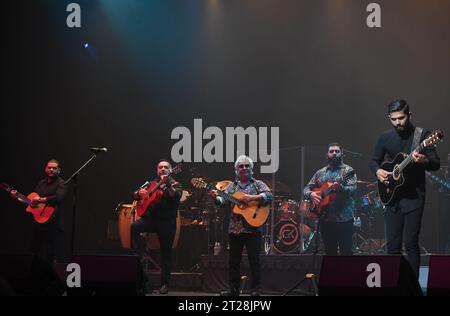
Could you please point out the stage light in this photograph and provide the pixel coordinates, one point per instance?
(86, 45)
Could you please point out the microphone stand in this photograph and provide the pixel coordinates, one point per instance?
(311, 275)
(74, 179)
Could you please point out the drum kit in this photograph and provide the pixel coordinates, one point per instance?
(292, 227)
(369, 236)
(295, 226)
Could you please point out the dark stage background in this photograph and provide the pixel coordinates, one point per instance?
(312, 68)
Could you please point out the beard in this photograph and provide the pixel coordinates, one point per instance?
(404, 128)
(400, 129)
(335, 161)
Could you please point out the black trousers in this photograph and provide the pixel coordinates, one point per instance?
(337, 236)
(404, 227)
(165, 229)
(252, 243)
(47, 239)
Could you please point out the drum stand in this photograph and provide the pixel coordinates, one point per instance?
(267, 238)
(305, 243)
(423, 250)
(217, 249)
(311, 276)
(147, 260)
(370, 242)
(358, 243)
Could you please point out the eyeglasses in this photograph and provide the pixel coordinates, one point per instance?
(334, 151)
(242, 166)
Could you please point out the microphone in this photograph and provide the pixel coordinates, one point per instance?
(97, 149)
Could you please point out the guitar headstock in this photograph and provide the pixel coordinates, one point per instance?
(434, 138)
(177, 169)
(199, 183)
(5, 187)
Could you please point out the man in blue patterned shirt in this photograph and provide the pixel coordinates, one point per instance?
(336, 220)
(241, 233)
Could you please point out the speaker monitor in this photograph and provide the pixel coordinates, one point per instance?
(28, 275)
(107, 275)
(439, 276)
(367, 276)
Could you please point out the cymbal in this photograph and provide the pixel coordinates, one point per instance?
(367, 183)
(222, 185)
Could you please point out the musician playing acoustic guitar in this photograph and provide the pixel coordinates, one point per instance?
(403, 215)
(336, 216)
(240, 232)
(159, 216)
(49, 236)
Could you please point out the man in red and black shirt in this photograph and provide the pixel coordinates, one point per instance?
(161, 219)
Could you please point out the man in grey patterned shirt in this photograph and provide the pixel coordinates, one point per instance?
(241, 233)
(336, 220)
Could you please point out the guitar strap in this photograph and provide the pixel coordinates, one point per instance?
(341, 173)
(417, 136)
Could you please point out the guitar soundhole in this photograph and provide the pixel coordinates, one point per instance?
(396, 174)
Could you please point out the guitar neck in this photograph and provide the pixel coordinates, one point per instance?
(159, 183)
(19, 196)
(155, 188)
(23, 198)
(328, 191)
(339, 180)
(228, 197)
(408, 159)
(405, 162)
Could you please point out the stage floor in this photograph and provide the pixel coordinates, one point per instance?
(278, 274)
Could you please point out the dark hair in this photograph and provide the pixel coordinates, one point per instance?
(165, 160)
(398, 106)
(335, 144)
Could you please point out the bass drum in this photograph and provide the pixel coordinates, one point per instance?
(287, 237)
(291, 237)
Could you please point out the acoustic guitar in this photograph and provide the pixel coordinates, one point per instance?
(42, 212)
(254, 213)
